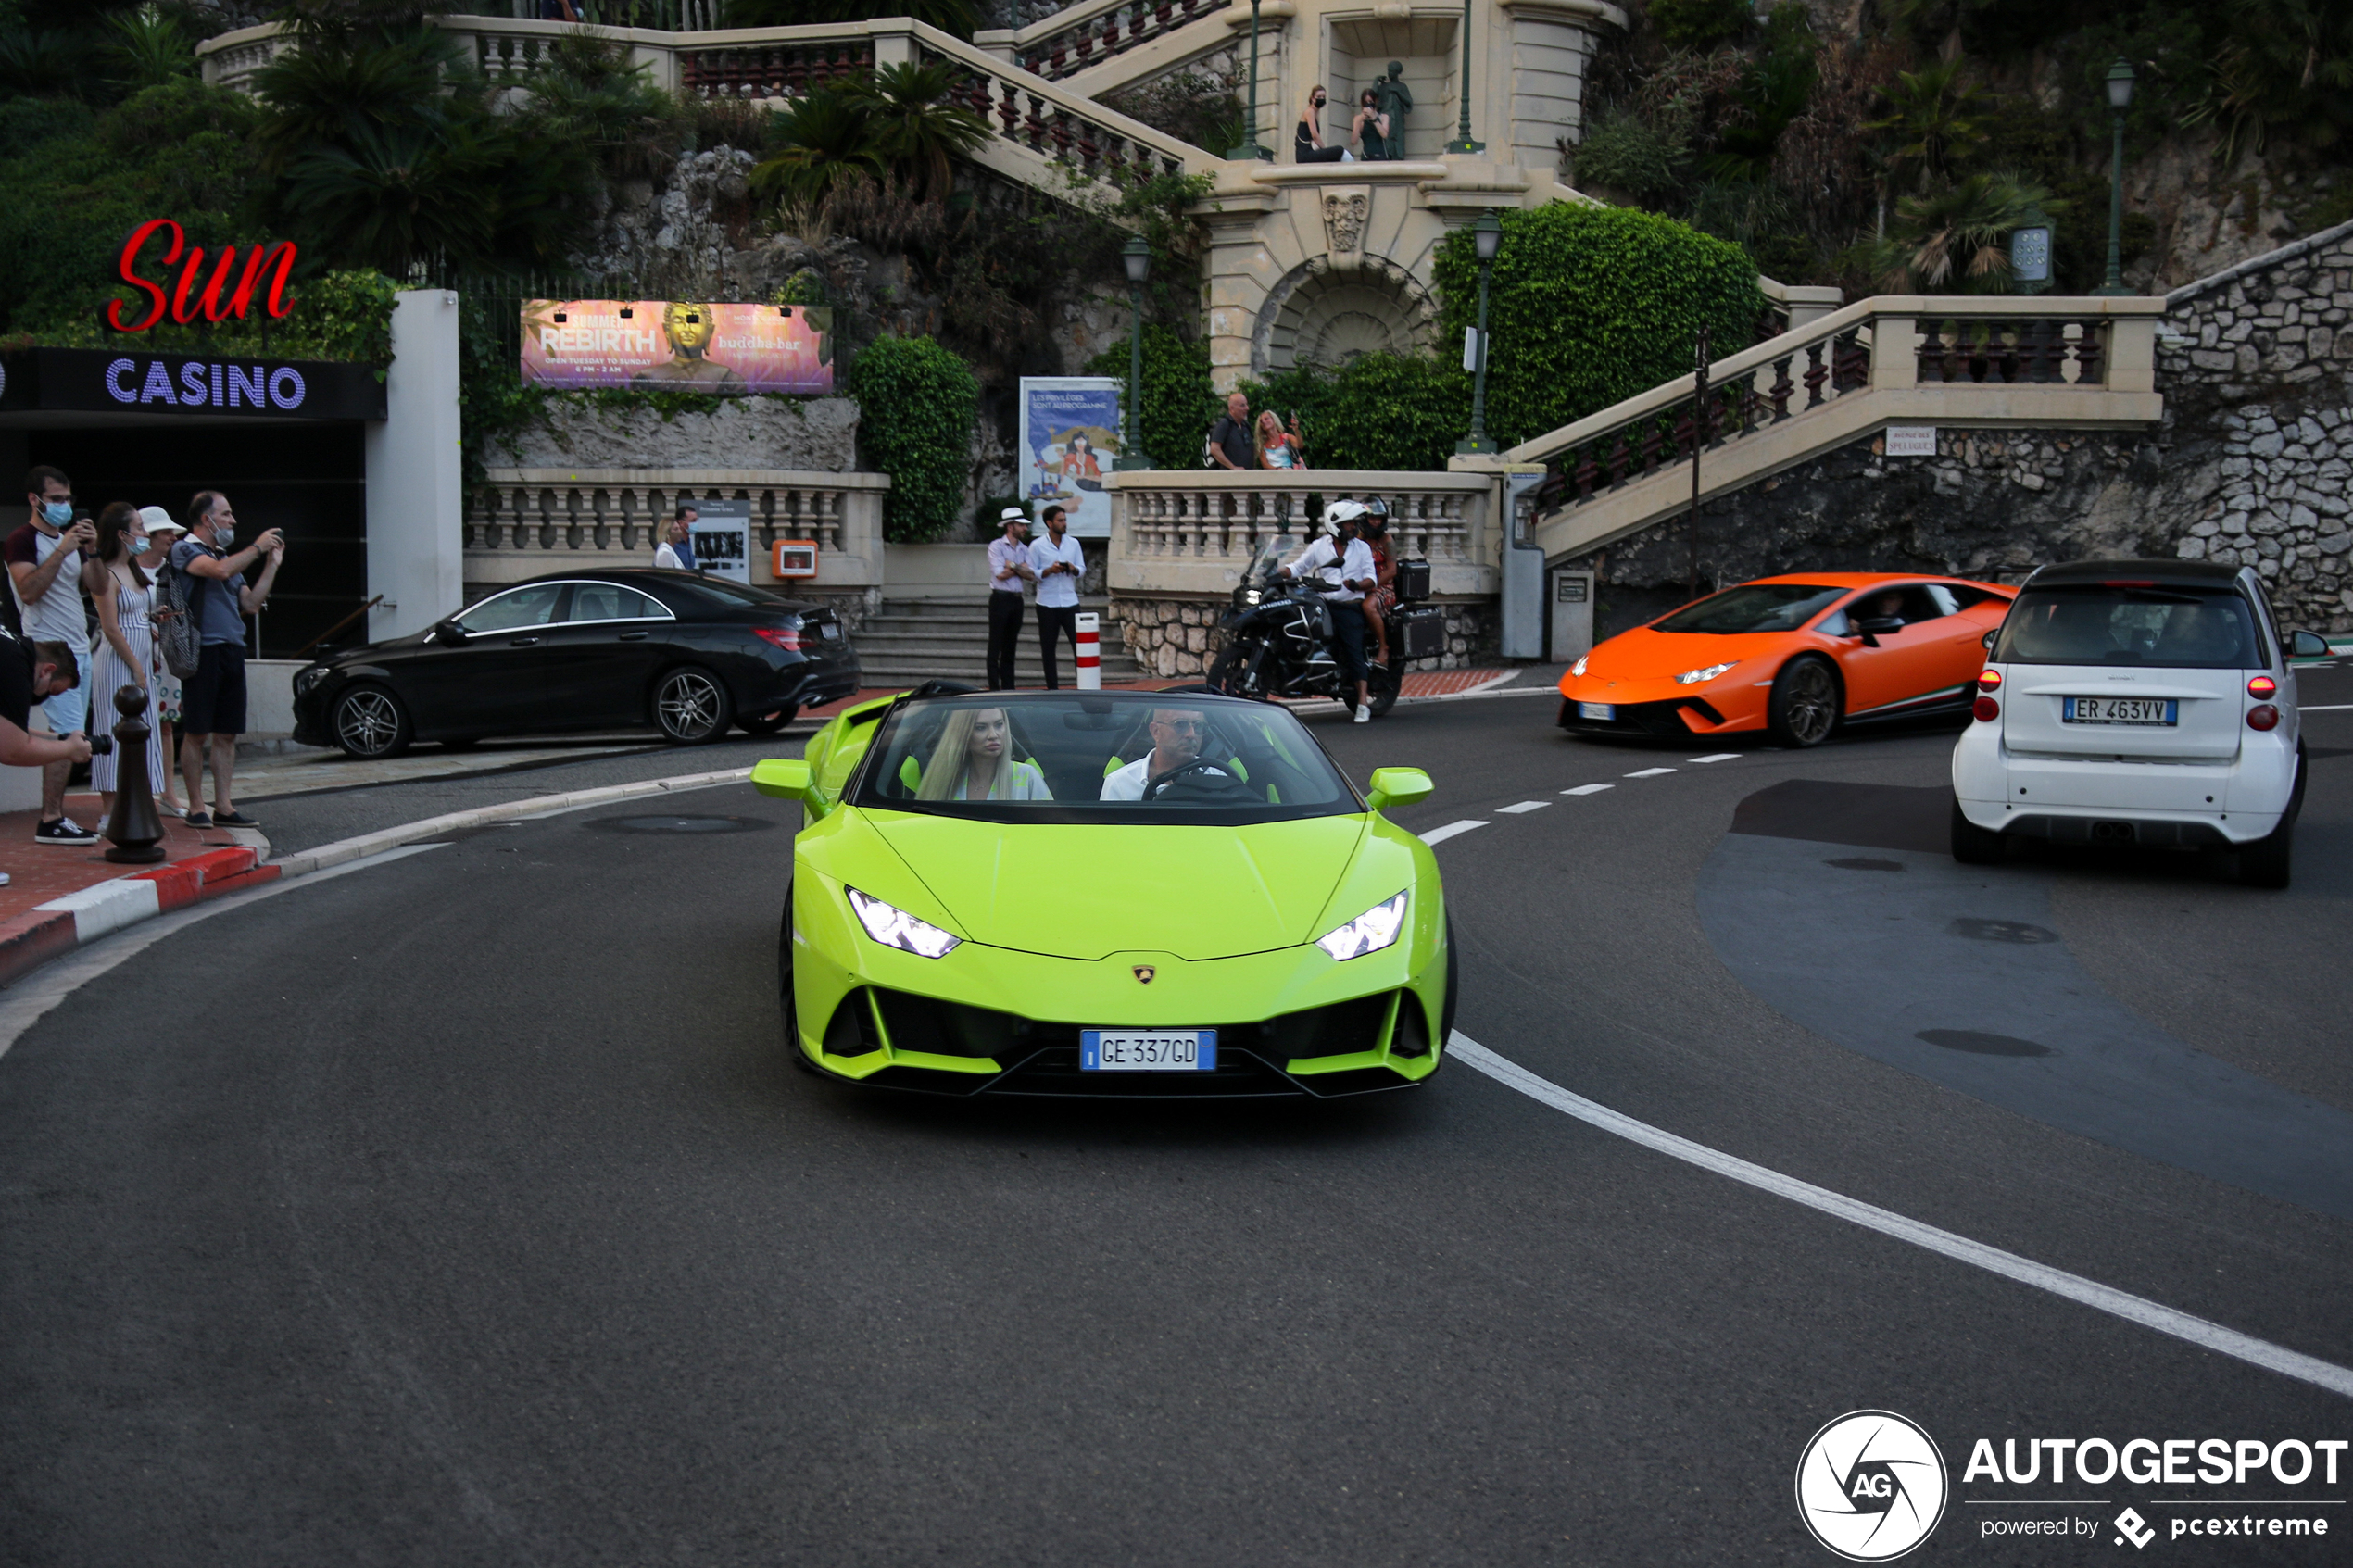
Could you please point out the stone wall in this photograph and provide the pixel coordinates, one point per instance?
(819, 435)
(1174, 637)
(2250, 466)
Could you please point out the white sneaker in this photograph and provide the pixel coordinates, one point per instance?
(1364, 715)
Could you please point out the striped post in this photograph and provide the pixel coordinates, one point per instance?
(1090, 658)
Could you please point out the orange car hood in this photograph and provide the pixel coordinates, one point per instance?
(1645, 655)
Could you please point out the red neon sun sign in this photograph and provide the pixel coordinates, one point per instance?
(194, 295)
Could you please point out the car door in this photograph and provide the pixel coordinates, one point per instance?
(490, 680)
(601, 660)
(1907, 664)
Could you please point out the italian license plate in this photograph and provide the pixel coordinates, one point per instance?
(2119, 710)
(1596, 711)
(829, 631)
(1148, 1050)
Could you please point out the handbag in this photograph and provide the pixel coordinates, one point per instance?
(176, 634)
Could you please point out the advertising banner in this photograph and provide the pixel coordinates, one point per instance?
(653, 343)
(722, 537)
(1069, 437)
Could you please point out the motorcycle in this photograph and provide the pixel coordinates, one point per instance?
(1276, 641)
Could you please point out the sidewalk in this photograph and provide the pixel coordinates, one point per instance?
(59, 898)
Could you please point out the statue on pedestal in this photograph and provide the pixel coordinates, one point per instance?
(1392, 101)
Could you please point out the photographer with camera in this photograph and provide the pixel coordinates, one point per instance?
(213, 700)
(32, 673)
(45, 561)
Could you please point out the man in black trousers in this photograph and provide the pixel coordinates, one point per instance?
(1009, 567)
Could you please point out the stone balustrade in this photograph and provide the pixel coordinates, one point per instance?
(1079, 37)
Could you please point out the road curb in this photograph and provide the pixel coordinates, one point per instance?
(60, 926)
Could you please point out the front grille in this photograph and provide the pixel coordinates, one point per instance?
(1642, 718)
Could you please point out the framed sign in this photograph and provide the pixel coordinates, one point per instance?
(795, 558)
(722, 535)
(1912, 441)
(1069, 437)
(203, 385)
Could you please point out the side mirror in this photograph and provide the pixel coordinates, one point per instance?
(1880, 626)
(2308, 645)
(449, 633)
(1988, 638)
(781, 778)
(1397, 786)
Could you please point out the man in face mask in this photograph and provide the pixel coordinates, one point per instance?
(44, 569)
(212, 704)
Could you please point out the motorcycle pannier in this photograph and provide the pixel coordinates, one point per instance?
(1419, 632)
(1411, 581)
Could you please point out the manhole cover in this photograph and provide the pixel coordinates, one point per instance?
(1978, 1043)
(682, 825)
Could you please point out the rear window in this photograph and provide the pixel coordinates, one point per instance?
(1753, 607)
(2161, 628)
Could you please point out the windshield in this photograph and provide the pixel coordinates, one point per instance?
(2162, 628)
(1753, 607)
(1100, 756)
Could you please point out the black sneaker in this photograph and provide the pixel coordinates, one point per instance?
(64, 830)
(235, 820)
(199, 820)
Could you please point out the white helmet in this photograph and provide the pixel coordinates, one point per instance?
(1342, 511)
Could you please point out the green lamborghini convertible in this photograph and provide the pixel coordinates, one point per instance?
(1105, 893)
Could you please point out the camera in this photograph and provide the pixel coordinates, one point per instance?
(102, 745)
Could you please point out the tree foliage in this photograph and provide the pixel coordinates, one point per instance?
(1592, 305)
(1178, 405)
(1378, 411)
(894, 125)
(916, 404)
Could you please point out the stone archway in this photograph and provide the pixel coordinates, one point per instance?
(1323, 314)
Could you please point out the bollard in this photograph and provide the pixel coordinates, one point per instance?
(133, 828)
(1091, 656)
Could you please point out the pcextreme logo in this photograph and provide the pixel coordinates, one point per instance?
(1871, 1486)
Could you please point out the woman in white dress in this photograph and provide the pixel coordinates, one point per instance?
(162, 533)
(126, 646)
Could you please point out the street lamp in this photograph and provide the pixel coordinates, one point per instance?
(1139, 258)
(1461, 141)
(1250, 147)
(2120, 98)
(1487, 234)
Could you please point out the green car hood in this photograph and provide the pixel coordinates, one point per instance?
(1088, 891)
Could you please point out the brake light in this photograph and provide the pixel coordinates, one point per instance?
(1989, 680)
(2262, 685)
(2262, 716)
(2130, 582)
(785, 637)
(1987, 710)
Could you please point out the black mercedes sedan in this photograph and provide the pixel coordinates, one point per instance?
(684, 653)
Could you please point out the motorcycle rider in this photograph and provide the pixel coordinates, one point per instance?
(1343, 562)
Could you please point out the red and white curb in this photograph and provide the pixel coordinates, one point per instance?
(60, 925)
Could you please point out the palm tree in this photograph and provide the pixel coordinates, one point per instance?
(147, 49)
(1956, 233)
(1935, 115)
(2284, 65)
(826, 137)
(917, 134)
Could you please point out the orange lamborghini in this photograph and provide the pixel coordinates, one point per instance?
(1794, 656)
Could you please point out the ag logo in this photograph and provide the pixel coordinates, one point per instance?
(1871, 1486)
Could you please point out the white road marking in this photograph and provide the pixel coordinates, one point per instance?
(2074, 1287)
(1587, 790)
(1523, 806)
(1439, 835)
(1719, 757)
(1650, 772)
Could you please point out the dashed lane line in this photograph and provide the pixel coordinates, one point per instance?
(1650, 772)
(1439, 835)
(2074, 1287)
(1587, 790)
(1719, 757)
(1525, 806)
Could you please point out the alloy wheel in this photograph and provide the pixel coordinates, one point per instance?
(690, 706)
(367, 724)
(1812, 703)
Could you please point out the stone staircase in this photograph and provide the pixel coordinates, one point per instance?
(911, 641)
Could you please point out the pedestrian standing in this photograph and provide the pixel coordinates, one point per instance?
(126, 647)
(162, 533)
(45, 561)
(1009, 567)
(1059, 564)
(1277, 448)
(676, 552)
(1230, 445)
(214, 714)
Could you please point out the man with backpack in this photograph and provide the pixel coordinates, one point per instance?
(212, 710)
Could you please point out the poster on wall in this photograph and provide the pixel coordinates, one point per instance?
(1069, 437)
(722, 535)
(679, 345)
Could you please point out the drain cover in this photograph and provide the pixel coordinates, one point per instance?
(1978, 1043)
(683, 824)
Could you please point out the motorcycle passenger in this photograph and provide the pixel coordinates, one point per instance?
(1343, 563)
(1177, 736)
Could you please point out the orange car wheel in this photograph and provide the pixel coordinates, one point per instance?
(1807, 703)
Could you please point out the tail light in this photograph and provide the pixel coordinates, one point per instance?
(2262, 716)
(785, 637)
(1989, 680)
(1987, 710)
(2261, 687)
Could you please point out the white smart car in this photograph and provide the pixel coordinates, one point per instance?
(2137, 702)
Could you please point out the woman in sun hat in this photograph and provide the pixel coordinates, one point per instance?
(164, 714)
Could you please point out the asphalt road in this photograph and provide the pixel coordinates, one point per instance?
(464, 1209)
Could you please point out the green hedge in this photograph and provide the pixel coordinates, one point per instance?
(916, 405)
(1179, 406)
(1592, 305)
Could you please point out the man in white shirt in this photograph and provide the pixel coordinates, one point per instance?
(1008, 569)
(1343, 563)
(1059, 563)
(44, 571)
(1177, 737)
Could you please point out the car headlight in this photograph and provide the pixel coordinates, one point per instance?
(897, 928)
(1368, 932)
(1579, 668)
(307, 679)
(1693, 677)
